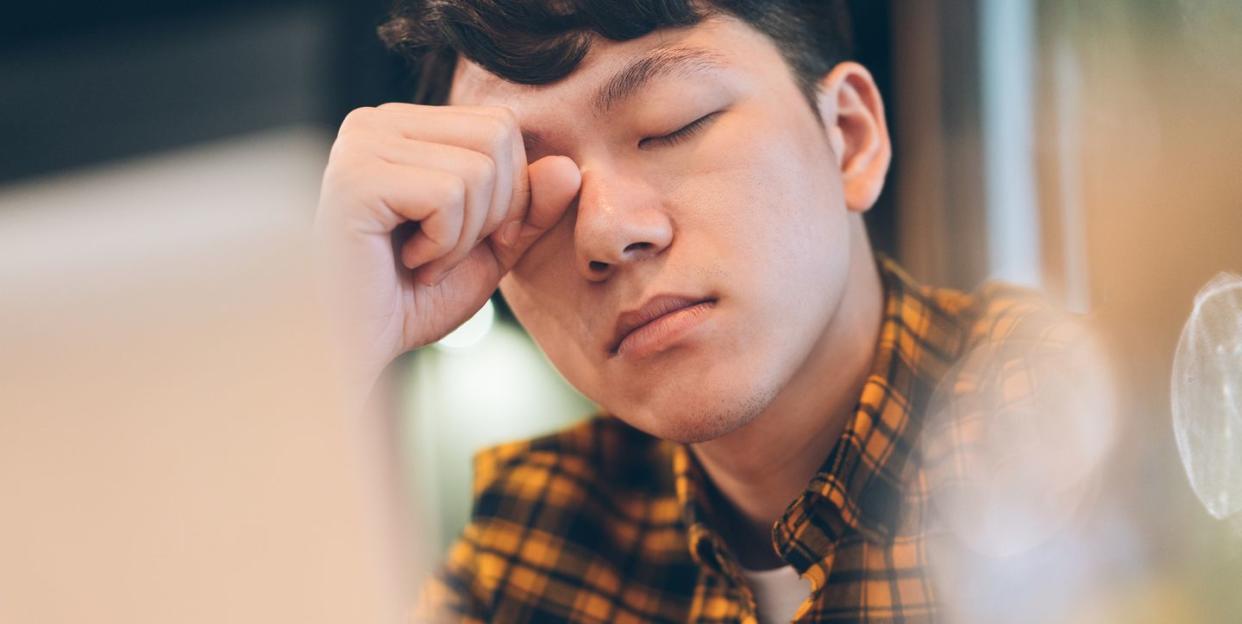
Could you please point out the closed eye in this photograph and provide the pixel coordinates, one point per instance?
(684, 133)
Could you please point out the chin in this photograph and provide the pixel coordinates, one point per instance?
(688, 419)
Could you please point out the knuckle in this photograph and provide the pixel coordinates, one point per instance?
(503, 120)
(342, 153)
(503, 114)
(481, 168)
(360, 116)
(494, 130)
(442, 244)
(450, 191)
(499, 145)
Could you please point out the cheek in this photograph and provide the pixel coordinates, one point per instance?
(771, 204)
(807, 217)
(550, 259)
(770, 166)
(772, 220)
(550, 313)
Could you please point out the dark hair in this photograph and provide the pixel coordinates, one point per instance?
(541, 41)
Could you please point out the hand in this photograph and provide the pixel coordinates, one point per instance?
(423, 209)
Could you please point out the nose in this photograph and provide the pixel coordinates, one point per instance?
(620, 222)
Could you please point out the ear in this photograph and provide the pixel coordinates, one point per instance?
(853, 116)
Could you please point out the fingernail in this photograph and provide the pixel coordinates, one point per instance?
(509, 233)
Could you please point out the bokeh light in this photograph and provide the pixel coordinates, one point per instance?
(1206, 396)
(472, 332)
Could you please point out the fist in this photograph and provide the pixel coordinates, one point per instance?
(422, 210)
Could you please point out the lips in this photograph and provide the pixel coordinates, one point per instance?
(656, 309)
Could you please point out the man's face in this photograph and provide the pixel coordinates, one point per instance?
(741, 213)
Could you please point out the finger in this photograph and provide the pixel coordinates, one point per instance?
(435, 237)
(492, 130)
(434, 199)
(472, 280)
(475, 169)
(510, 150)
(482, 174)
(389, 143)
(373, 197)
(554, 184)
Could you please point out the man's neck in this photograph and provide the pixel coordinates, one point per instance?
(757, 470)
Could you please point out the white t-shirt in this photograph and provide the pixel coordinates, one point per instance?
(778, 593)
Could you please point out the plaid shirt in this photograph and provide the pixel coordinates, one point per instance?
(603, 523)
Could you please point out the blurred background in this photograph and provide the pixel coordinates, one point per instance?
(166, 436)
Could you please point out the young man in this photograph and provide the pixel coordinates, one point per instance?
(669, 194)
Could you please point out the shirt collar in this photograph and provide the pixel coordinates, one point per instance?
(859, 485)
(706, 546)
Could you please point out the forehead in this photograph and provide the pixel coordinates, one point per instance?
(722, 41)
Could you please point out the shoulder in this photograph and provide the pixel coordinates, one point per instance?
(994, 313)
(933, 328)
(556, 522)
(999, 312)
(1004, 333)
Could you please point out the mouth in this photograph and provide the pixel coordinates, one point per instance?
(657, 324)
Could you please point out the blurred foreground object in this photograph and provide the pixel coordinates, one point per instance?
(170, 449)
(1014, 436)
(1015, 442)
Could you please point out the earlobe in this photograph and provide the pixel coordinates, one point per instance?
(853, 115)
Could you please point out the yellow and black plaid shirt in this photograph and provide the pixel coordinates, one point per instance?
(603, 523)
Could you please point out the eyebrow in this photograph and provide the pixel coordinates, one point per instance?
(657, 63)
(681, 61)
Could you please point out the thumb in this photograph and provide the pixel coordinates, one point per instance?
(554, 182)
